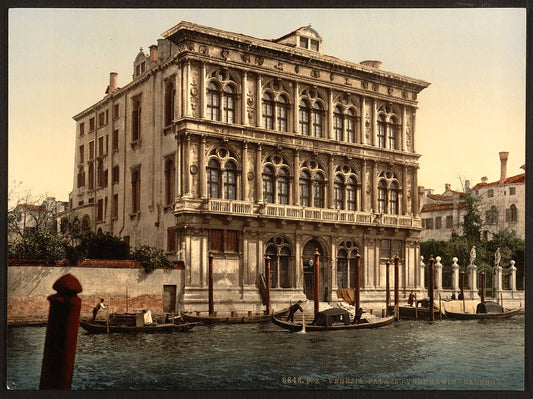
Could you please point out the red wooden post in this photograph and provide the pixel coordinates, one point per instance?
(267, 277)
(357, 283)
(396, 280)
(482, 286)
(61, 334)
(211, 304)
(462, 287)
(387, 282)
(317, 285)
(431, 287)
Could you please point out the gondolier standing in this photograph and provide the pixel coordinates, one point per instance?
(99, 305)
(293, 309)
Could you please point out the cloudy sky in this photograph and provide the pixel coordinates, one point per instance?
(475, 60)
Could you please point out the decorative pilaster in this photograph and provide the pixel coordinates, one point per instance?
(295, 108)
(202, 184)
(404, 128)
(331, 178)
(414, 197)
(202, 90)
(259, 175)
(455, 277)
(296, 180)
(364, 184)
(362, 134)
(244, 178)
(374, 187)
(404, 191)
(258, 101)
(374, 122)
(329, 127)
(244, 91)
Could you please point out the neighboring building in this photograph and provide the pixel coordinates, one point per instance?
(501, 206)
(246, 147)
(503, 202)
(442, 214)
(31, 216)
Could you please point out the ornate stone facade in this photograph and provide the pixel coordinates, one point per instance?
(245, 147)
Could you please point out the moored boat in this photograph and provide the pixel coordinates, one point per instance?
(103, 327)
(231, 319)
(484, 311)
(332, 320)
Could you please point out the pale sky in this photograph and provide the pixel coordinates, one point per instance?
(475, 59)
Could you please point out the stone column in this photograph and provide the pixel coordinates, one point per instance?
(258, 98)
(364, 184)
(374, 122)
(334, 267)
(455, 277)
(416, 211)
(497, 281)
(331, 178)
(295, 108)
(512, 276)
(298, 262)
(244, 97)
(404, 191)
(296, 181)
(179, 191)
(202, 89)
(471, 271)
(422, 272)
(202, 183)
(438, 274)
(187, 171)
(329, 126)
(259, 176)
(244, 176)
(187, 86)
(374, 187)
(362, 137)
(404, 128)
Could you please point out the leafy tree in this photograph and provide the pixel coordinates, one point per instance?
(151, 258)
(472, 221)
(105, 246)
(37, 244)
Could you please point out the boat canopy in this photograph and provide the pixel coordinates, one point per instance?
(330, 316)
(489, 307)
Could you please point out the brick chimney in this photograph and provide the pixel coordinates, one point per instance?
(153, 55)
(447, 187)
(503, 166)
(113, 82)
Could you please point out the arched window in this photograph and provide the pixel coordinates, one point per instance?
(382, 128)
(272, 253)
(304, 118)
(382, 197)
(282, 106)
(228, 114)
(512, 213)
(279, 251)
(350, 126)
(170, 93)
(213, 102)
(230, 181)
(346, 258)
(136, 119)
(283, 186)
(393, 199)
(213, 179)
(338, 193)
(319, 191)
(391, 133)
(170, 176)
(338, 124)
(305, 188)
(268, 184)
(135, 190)
(317, 117)
(268, 111)
(351, 194)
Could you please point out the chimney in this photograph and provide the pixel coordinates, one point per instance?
(467, 185)
(153, 55)
(503, 166)
(447, 187)
(484, 179)
(372, 64)
(113, 81)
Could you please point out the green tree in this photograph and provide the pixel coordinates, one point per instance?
(151, 258)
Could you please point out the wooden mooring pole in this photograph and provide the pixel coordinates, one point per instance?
(482, 287)
(211, 301)
(431, 288)
(316, 264)
(61, 334)
(397, 286)
(462, 288)
(267, 277)
(357, 282)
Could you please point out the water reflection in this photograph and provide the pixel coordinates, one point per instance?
(407, 355)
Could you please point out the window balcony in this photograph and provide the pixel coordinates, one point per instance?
(293, 212)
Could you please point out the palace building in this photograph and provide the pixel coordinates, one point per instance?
(244, 148)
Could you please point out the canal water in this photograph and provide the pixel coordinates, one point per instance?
(408, 355)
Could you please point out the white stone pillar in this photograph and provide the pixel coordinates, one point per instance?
(422, 270)
(244, 177)
(438, 274)
(259, 174)
(362, 121)
(362, 206)
(331, 178)
(202, 183)
(258, 99)
(329, 127)
(512, 276)
(202, 89)
(374, 122)
(404, 128)
(471, 272)
(295, 108)
(244, 98)
(455, 277)
(296, 180)
(497, 280)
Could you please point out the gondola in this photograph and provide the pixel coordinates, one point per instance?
(332, 320)
(416, 313)
(103, 327)
(235, 319)
(485, 311)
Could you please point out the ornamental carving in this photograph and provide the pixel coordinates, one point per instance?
(194, 95)
(347, 82)
(250, 107)
(375, 87)
(405, 94)
(364, 85)
(190, 46)
(414, 96)
(203, 49)
(279, 66)
(245, 57)
(315, 73)
(296, 69)
(259, 60)
(390, 90)
(225, 54)
(331, 76)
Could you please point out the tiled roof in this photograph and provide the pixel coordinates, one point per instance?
(518, 179)
(31, 207)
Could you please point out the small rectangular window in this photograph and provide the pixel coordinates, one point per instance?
(512, 190)
(438, 222)
(91, 124)
(114, 140)
(314, 45)
(91, 150)
(82, 129)
(449, 222)
(114, 207)
(232, 241)
(171, 239)
(82, 155)
(115, 174)
(490, 193)
(101, 119)
(304, 42)
(116, 111)
(80, 203)
(100, 146)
